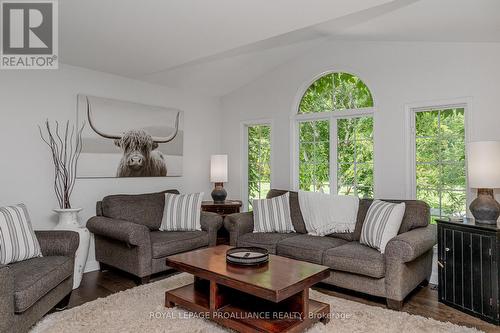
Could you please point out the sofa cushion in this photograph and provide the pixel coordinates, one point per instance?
(267, 240)
(145, 209)
(34, 278)
(165, 243)
(356, 258)
(295, 213)
(417, 214)
(308, 248)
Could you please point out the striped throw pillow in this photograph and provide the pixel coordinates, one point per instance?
(181, 212)
(18, 241)
(273, 215)
(381, 224)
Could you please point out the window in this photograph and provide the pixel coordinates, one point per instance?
(335, 136)
(258, 138)
(355, 156)
(440, 164)
(314, 156)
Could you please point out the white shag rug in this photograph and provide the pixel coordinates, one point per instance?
(141, 309)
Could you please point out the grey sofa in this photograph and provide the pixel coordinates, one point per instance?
(127, 236)
(406, 263)
(31, 288)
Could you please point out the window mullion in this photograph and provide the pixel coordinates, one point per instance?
(333, 155)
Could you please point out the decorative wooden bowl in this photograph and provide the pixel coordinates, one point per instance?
(247, 256)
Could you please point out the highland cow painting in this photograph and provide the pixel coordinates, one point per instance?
(125, 139)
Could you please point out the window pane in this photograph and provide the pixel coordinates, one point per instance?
(306, 131)
(364, 191)
(349, 92)
(426, 123)
(453, 148)
(428, 175)
(346, 129)
(452, 122)
(427, 149)
(314, 155)
(322, 173)
(364, 151)
(364, 128)
(322, 152)
(355, 151)
(259, 161)
(364, 180)
(453, 203)
(345, 175)
(440, 161)
(336, 91)
(306, 153)
(306, 176)
(432, 198)
(453, 176)
(319, 96)
(345, 189)
(345, 152)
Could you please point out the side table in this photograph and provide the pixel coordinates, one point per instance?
(222, 208)
(468, 260)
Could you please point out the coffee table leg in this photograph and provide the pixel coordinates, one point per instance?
(298, 304)
(217, 296)
(168, 302)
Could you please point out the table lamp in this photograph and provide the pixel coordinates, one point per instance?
(218, 175)
(484, 175)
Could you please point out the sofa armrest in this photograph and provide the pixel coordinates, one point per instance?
(6, 299)
(125, 231)
(211, 223)
(238, 224)
(410, 245)
(58, 242)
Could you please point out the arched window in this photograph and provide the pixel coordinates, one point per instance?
(334, 150)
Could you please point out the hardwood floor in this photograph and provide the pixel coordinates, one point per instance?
(423, 301)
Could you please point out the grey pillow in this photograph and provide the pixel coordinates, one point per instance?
(145, 209)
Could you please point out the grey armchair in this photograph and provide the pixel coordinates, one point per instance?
(31, 288)
(127, 236)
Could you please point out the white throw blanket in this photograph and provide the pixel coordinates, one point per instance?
(328, 213)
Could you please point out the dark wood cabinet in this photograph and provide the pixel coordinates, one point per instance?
(223, 209)
(468, 255)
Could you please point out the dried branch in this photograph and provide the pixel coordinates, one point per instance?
(65, 146)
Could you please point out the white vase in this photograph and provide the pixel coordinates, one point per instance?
(68, 220)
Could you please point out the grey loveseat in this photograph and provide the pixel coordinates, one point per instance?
(127, 236)
(31, 288)
(406, 263)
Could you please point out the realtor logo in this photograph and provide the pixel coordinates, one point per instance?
(29, 35)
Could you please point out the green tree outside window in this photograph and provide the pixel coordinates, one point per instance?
(354, 150)
(440, 161)
(259, 162)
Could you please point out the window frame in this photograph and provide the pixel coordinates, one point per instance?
(244, 125)
(411, 111)
(332, 116)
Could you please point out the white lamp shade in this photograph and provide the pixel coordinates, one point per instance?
(484, 164)
(218, 168)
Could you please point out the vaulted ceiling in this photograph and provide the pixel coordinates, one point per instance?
(213, 47)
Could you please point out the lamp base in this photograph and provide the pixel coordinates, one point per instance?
(485, 208)
(219, 194)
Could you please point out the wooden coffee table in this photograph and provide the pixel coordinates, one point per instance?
(273, 297)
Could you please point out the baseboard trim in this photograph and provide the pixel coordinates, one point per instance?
(91, 266)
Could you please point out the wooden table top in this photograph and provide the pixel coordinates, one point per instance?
(278, 279)
(236, 203)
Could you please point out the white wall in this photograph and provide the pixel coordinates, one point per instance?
(27, 98)
(397, 74)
